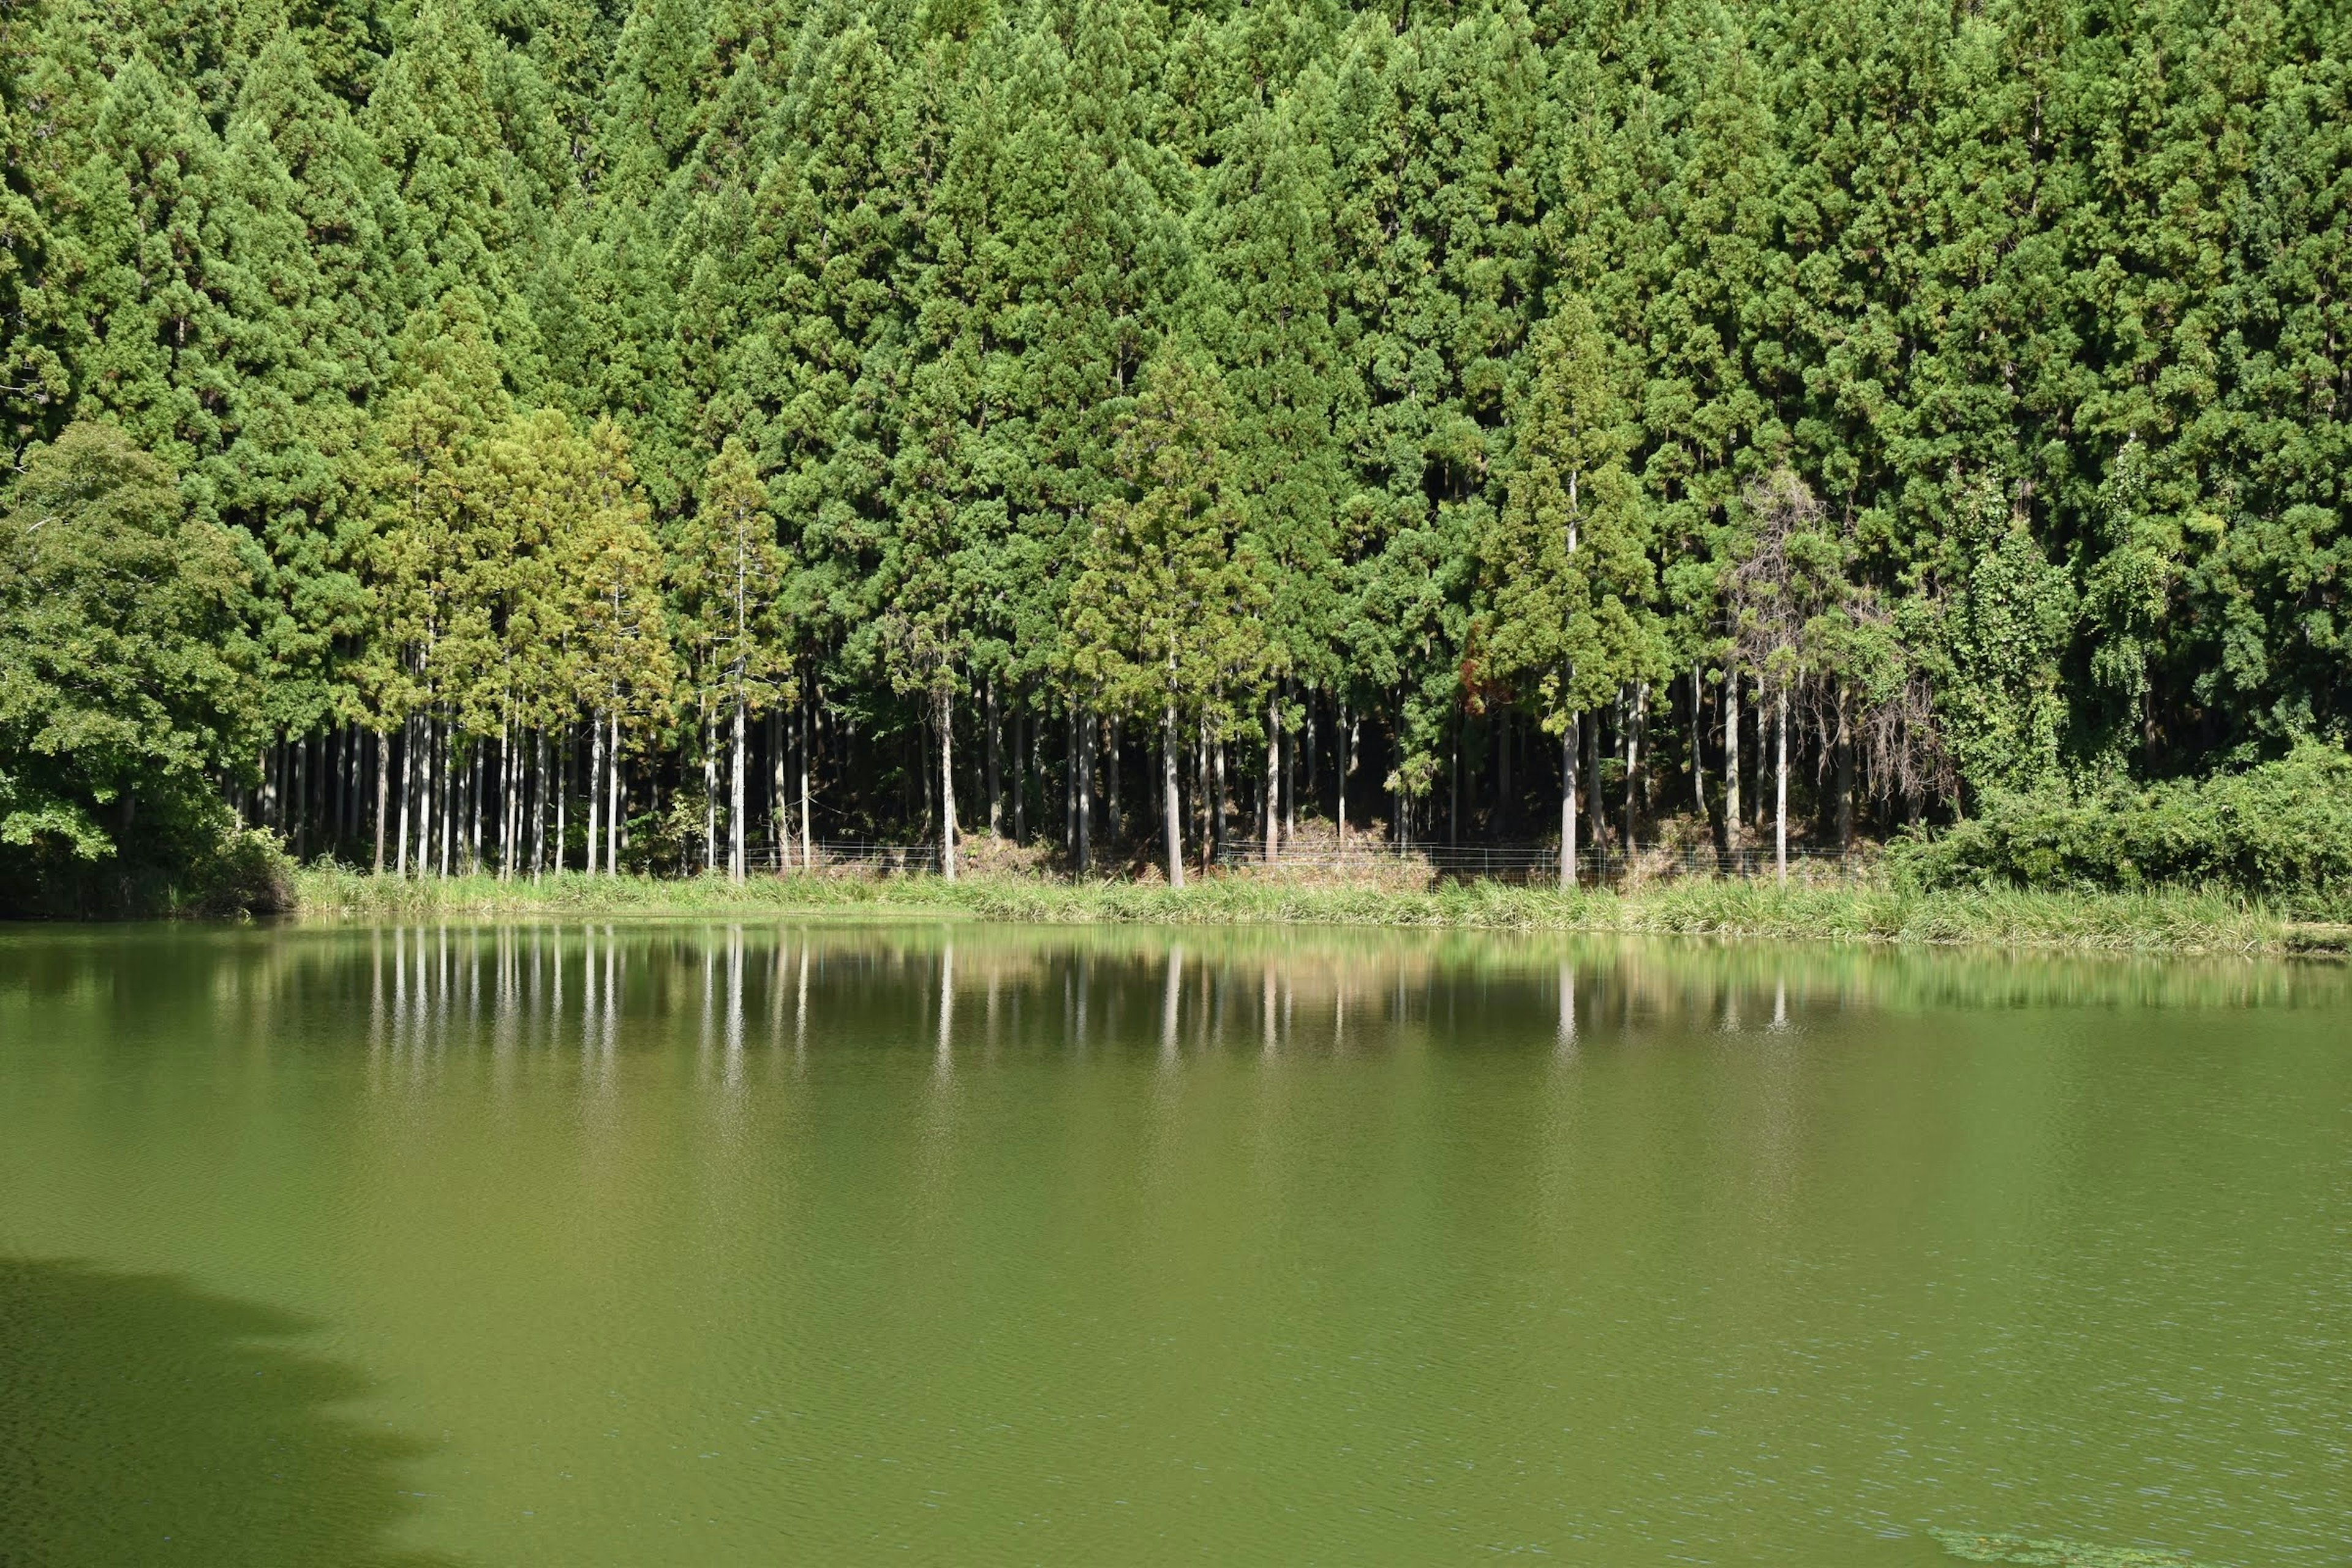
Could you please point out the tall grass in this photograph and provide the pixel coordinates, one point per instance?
(2161, 920)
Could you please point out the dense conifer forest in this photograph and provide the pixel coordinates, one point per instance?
(500, 434)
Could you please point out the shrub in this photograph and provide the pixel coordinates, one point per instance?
(2281, 831)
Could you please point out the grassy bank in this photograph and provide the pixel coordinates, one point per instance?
(2162, 921)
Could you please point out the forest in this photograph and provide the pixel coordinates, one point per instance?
(503, 435)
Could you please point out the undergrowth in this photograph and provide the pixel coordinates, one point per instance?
(2166, 920)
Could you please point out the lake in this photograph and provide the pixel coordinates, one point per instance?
(672, 1243)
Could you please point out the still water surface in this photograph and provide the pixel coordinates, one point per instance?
(671, 1244)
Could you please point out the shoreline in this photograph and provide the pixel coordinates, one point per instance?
(2167, 920)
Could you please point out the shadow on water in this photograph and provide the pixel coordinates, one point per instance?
(143, 1421)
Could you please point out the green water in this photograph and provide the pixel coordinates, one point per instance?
(688, 1243)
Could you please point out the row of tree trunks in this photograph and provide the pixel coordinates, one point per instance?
(441, 804)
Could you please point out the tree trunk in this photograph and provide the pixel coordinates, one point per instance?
(1272, 775)
(1290, 785)
(1730, 761)
(1173, 824)
(595, 792)
(478, 787)
(1844, 770)
(434, 786)
(298, 794)
(1569, 737)
(995, 749)
(709, 796)
(1592, 780)
(946, 786)
(808, 831)
(1070, 781)
(780, 816)
(566, 748)
(539, 802)
(1082, 782)
(735, 805)
(1114, 828)
(1698, 756)
(1024, 745)
(1757, 816)
(613, 796)
(407, 792)
(1780, 770)
(383, 788)
(1633, 759)
(1347, 764)
(1314, 754)
(1217, 797)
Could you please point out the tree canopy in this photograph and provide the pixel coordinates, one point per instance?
(473, 425)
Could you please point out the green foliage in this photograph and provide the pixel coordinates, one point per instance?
(2281, 830)
(1972, 381)
(1164, 617)
(128, 677)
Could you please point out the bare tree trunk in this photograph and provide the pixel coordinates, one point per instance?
(1082, 780)
(430, 834)
(1173, 823)
(502, 834)
(1217, 797)
(1199, 821)
(1757, 815)
(1070, 780)
(995, 750)
(1314, 771)
(612, 800)
(735, 805)
(1844, 769)
(453, 799)
(710, 795)
(1780, 767)
(780, 817)
(1592, 780)
(808, 831)
(1290, 783)
(1347, 762)
(1025, 747)
(1633, 759)
(478, 768)
(595, 792)
(1698, 757)
(1114, 825)
(1273, 776)
(539, 804)
(382, 789)
(1731, 759)
(407, 792)
(946, 786)
(566, 747)
(1569, 738)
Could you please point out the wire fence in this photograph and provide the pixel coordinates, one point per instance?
(844, 857)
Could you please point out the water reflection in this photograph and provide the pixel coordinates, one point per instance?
(979, 1245)
(593, 989)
